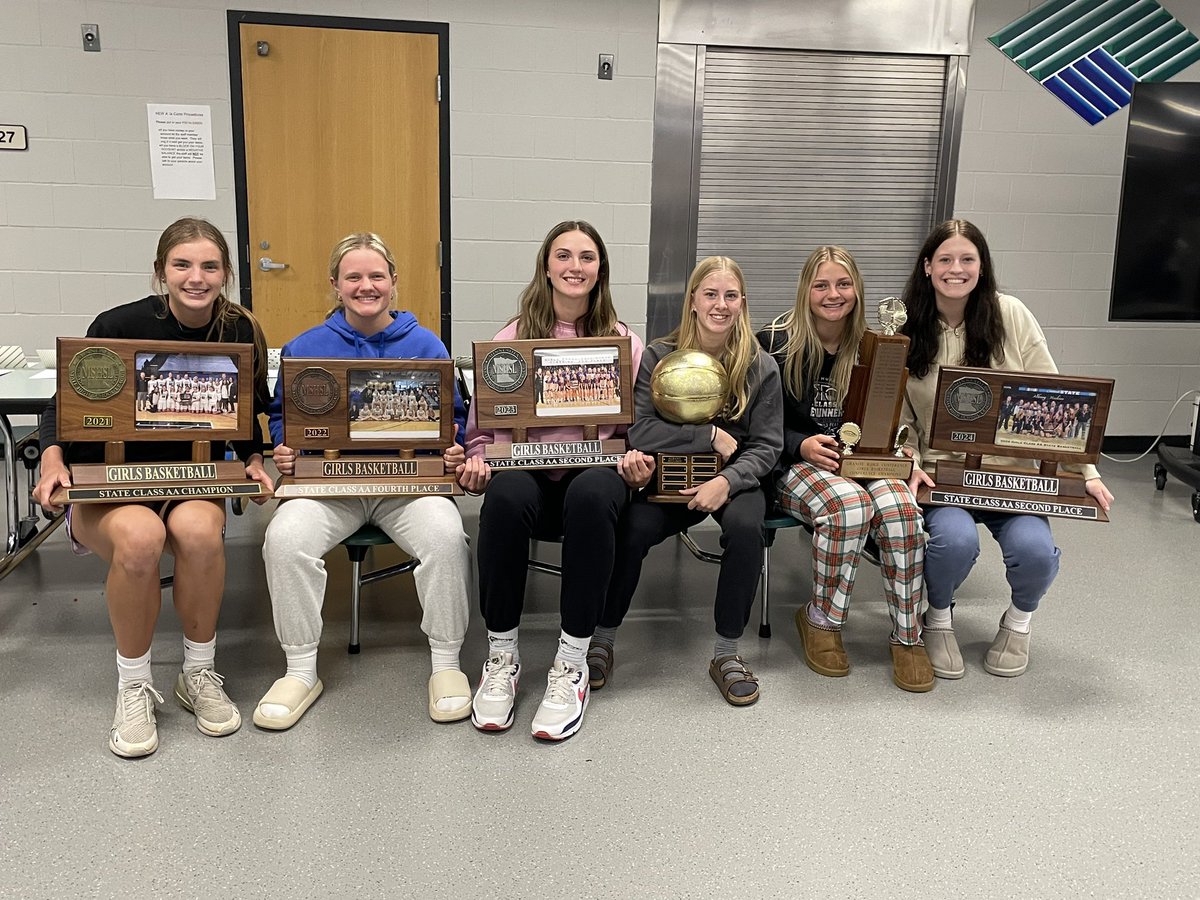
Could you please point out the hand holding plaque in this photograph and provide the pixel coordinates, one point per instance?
(687, 387)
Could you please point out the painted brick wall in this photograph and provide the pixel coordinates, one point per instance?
(535, 138)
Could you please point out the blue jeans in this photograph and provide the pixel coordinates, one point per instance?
(1030, 555)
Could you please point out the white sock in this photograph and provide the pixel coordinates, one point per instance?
(199, 656)
(1018, 619)
(132, 671)
(302, 664)
(938, 618)
(504, 642)
(444, 655)
(572, 650)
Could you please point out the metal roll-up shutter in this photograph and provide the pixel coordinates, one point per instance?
(803, 148)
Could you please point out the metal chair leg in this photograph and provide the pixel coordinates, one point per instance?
(764, 625)
(356, 559)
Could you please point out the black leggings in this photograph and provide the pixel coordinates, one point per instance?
(645, 525)
(583, 507)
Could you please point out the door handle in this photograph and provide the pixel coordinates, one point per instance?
(267, 265)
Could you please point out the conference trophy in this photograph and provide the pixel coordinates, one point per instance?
(528, 386)
(367, 427)
(126, 392)
(687, 387)
(1047, 419)
(871, 444)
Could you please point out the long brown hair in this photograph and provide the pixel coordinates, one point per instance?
(225, 313)
(740, 347)
(984, 344)
(536, 319)
(804, 352)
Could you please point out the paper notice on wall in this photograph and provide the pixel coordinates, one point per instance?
(181, 152)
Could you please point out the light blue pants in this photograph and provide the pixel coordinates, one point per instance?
(1030, 555)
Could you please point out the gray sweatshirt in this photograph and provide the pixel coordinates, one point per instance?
(759, 432)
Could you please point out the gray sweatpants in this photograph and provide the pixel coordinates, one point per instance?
(303, 530)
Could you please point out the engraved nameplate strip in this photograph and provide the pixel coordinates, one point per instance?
(556, 462)
(1000, 481)
(348, 468)
(369, 489)
(1014, 505)
(160, 472)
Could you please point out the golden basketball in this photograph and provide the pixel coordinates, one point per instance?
(689, 387)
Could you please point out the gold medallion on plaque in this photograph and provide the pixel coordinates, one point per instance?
(315, 391)
(849, 434)
(96, 373)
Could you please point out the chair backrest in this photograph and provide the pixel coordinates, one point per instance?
(12, 357)
(464, 374)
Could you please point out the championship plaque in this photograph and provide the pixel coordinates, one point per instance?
(1050, 418)
(523, 385)
(869, 437)
(687, 387)
(364, 421)
(119, 391)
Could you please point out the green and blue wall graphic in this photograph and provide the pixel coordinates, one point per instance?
(1090, 53)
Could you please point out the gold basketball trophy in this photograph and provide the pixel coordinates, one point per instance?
(872, 445)
(687, 387)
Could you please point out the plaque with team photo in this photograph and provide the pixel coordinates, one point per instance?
(1049, 418)
(363, 422)
(585, 382)
(117, 391)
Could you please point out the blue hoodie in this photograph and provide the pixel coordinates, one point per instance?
(405, 338)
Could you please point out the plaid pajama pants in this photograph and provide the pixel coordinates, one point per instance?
(843, 512)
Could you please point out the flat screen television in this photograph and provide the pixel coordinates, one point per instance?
(1156, 273)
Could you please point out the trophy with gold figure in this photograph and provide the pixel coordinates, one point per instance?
(687, 387)
(871, 443)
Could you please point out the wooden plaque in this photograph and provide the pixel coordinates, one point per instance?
(873, 404)
(586, 382)
(123, 390)
(675, 472)
(367, 417)
(1028, 415)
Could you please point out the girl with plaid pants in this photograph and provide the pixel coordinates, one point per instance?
(815, 345)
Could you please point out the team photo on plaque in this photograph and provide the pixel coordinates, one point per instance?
(181, 390)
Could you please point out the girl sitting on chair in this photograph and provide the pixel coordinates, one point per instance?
(363, 325)
(748, 435)
(816, 345)
(193, 271)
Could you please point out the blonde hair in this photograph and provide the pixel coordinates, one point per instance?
(535, 320)
(740, 347)
(360, 240)
(225, 312)
(805, 354)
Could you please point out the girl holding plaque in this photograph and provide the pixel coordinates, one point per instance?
(816, 345)
(193, 271)
(363, 325)
(748, 435)
(567, 297)
(957, 317)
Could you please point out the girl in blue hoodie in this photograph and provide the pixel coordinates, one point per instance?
(363, 326)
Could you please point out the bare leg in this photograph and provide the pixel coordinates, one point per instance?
(130, 538)
(194, 536)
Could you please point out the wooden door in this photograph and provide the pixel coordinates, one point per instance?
(342, 132)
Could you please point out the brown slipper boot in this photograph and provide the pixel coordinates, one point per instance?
(823, 650)
(911, 669)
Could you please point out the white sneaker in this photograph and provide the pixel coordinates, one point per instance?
(567, 694)
(200, 692)
(134, 730)
(494, 700)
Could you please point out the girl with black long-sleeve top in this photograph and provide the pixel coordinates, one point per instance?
(193, 269)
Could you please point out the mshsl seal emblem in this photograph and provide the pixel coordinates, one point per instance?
(315, 391)
(504, 370)
(96, 373)
(968, 399)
